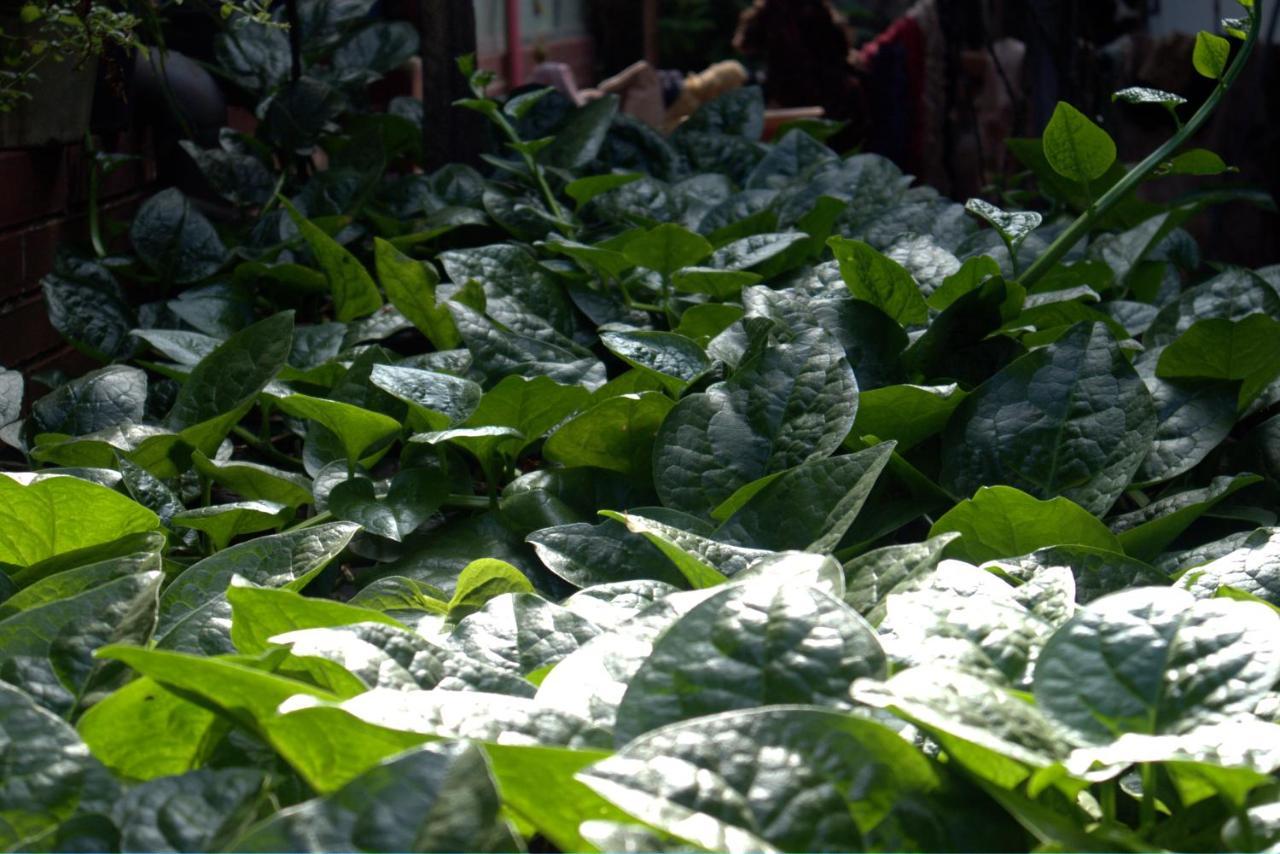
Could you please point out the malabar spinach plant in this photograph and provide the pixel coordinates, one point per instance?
(656, 494)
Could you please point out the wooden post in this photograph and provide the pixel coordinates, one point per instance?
(651, 49)
(450, 134)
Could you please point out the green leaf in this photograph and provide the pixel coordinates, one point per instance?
(58, 515)
(1253, 569)
(585, 189)
(108, 397)
(754, 804)
(245, 693)
(411, 287)
(48, 771)
(764, 642)
(360, 431)
(413, 496)
(224, 522)
(586, 555)
(121, 731)
(1071, 419)
(437, 797)
(510, 270)
(1097, 572)
(260, 613)
(354, 293)
(514, 414)
(673, 359)
(667, 248)
(1000, 521)
(175, 240)
(482, 580)
(66, 583)
(256, 482)
(880, 281)
(1146, 95)
(579, 140)
(870, 578)
(1156, 660)
(1197, 161)
(1247, 350)
(1075, 147)
(985, 728)
(703, 562)
(1147, 532)
(518, 632)
(906, 414)
(49, 648)
(288, 560)
(228, 380)
(810, 507)
(538, 784)
(439, 400)
(791, 402)
(616, 434)
(1211, 55)
(215, 804)
(718, 284)
(1014, 227)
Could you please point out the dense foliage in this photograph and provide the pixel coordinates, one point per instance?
(643, 494)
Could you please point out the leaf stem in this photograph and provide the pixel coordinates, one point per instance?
(266, 449)
(1085, 222)
(1147, 816)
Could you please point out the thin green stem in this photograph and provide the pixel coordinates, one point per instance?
(95, 191)
(1081, 227)
(266, 449)
(308, 522)
(1147, 816)
(1107, 800)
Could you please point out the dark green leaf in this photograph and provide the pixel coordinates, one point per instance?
(1072, 419)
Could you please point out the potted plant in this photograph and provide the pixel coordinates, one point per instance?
(49, 54)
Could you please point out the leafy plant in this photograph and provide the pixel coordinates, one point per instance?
(749, 502)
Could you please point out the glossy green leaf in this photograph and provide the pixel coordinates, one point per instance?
(414, 494)
(1000, 521)
(482, 580)
(1075, 147)
(224, 522)
(1211, 55)
(429, 798)
(1147, 532)
(810, 507)
(1156, 660)
(175, 240)
(214, 805)
(229, 379)
(616, 434)
(673, 359)
(1072, 419)
(359, 430)
(57, 515)
(880, 281)
(48, 771)
(792, 402)
(775, 779)
(762, 642)
(1247, 351)
(354, 292)
(411, 287)
(667, 248)
(256, 482)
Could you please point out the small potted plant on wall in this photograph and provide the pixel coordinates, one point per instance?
(49, 55)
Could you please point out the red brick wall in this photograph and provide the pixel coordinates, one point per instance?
(44, 204)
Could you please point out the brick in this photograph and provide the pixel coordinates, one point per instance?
(65, 358)
(25, 332)
(36, 184)
(12, 264)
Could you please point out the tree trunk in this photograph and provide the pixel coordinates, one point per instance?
(450, 134)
